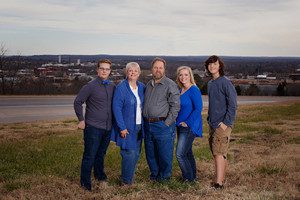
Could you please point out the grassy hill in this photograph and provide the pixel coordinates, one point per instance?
(41, 160)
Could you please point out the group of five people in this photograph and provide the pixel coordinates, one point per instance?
(132, 112)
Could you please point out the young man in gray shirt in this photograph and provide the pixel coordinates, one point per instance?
(222, 106)
(97, 122)
(161, 107)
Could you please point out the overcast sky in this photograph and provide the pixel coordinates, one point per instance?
(151, 27)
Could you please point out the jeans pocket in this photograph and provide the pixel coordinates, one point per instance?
(163, 124)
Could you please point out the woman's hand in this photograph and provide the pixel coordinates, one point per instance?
(183, 124)
(124, 133)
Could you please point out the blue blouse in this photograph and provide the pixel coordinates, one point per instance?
(124, 110)
(190, 110)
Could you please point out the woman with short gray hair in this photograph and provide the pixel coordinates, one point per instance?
(128, 132)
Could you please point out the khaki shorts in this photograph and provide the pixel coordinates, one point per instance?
(219, 141)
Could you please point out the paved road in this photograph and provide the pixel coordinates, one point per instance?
(32, 108)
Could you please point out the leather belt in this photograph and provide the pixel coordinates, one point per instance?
(155, 119)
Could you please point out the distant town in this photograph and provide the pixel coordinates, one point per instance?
(66, 74)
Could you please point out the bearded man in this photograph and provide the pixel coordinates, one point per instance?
(161, 107)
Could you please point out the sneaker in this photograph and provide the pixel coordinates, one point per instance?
(86, 188)
(218, 186)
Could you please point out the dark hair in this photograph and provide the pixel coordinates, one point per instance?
(158, 59)
(103, 61)
(213, 59)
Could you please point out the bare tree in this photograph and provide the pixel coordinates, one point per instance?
(3, 51)
(13, 69)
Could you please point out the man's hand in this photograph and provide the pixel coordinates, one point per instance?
(81, 125)
(124, 133)
(222, 126)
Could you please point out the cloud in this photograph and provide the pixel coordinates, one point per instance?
(158, 26)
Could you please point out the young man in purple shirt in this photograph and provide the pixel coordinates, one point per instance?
(96, 124)
(221, 115)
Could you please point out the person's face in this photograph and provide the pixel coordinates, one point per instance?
(133, 73)
(214, 68)
(158, 70)
(104, 71)
(184, 77)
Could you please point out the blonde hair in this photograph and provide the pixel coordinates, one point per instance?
(190, 73)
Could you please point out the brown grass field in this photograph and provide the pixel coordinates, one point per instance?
(41, 160)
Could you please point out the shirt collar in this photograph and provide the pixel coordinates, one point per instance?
(162, 81)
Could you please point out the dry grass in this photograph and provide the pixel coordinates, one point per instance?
(264, 162)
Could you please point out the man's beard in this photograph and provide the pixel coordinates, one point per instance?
(158, 76)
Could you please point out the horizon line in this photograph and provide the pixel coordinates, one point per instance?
(144, 55)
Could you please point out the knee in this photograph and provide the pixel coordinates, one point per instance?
(179, 154)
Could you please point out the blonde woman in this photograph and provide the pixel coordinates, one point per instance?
(189, 122)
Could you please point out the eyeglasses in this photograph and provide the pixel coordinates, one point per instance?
(104, 69)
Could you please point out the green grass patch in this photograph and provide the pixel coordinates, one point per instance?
(243, 127)
(295, 140)
(49, 156)
(203, 153)
(270, 170)
(68, 121)
(247, 138)
(13, 185)
(267, 113)
(18, 127)
(271, 131)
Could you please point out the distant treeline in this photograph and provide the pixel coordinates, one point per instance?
(44, 86)
(234, 65)
(11, 84)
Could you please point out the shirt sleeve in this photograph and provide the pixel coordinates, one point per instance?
(195, 116)
(231, 100)
(174, 104)
(118, 103)
(81, 98)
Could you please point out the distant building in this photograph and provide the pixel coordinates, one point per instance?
(261, 76)
(250, 77)
(59, 59)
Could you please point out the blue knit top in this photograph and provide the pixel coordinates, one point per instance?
(190, 110)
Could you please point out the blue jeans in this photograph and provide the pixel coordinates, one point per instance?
(159, 145)
(130, 158)
(184, 153)
(96, 142)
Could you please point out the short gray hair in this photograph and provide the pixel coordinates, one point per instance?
(132, 65)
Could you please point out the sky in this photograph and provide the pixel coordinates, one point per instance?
(151, 27)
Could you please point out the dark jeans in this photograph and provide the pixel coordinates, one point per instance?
(184, 153)
(96, 142)
(130, 158)
(159, 145)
